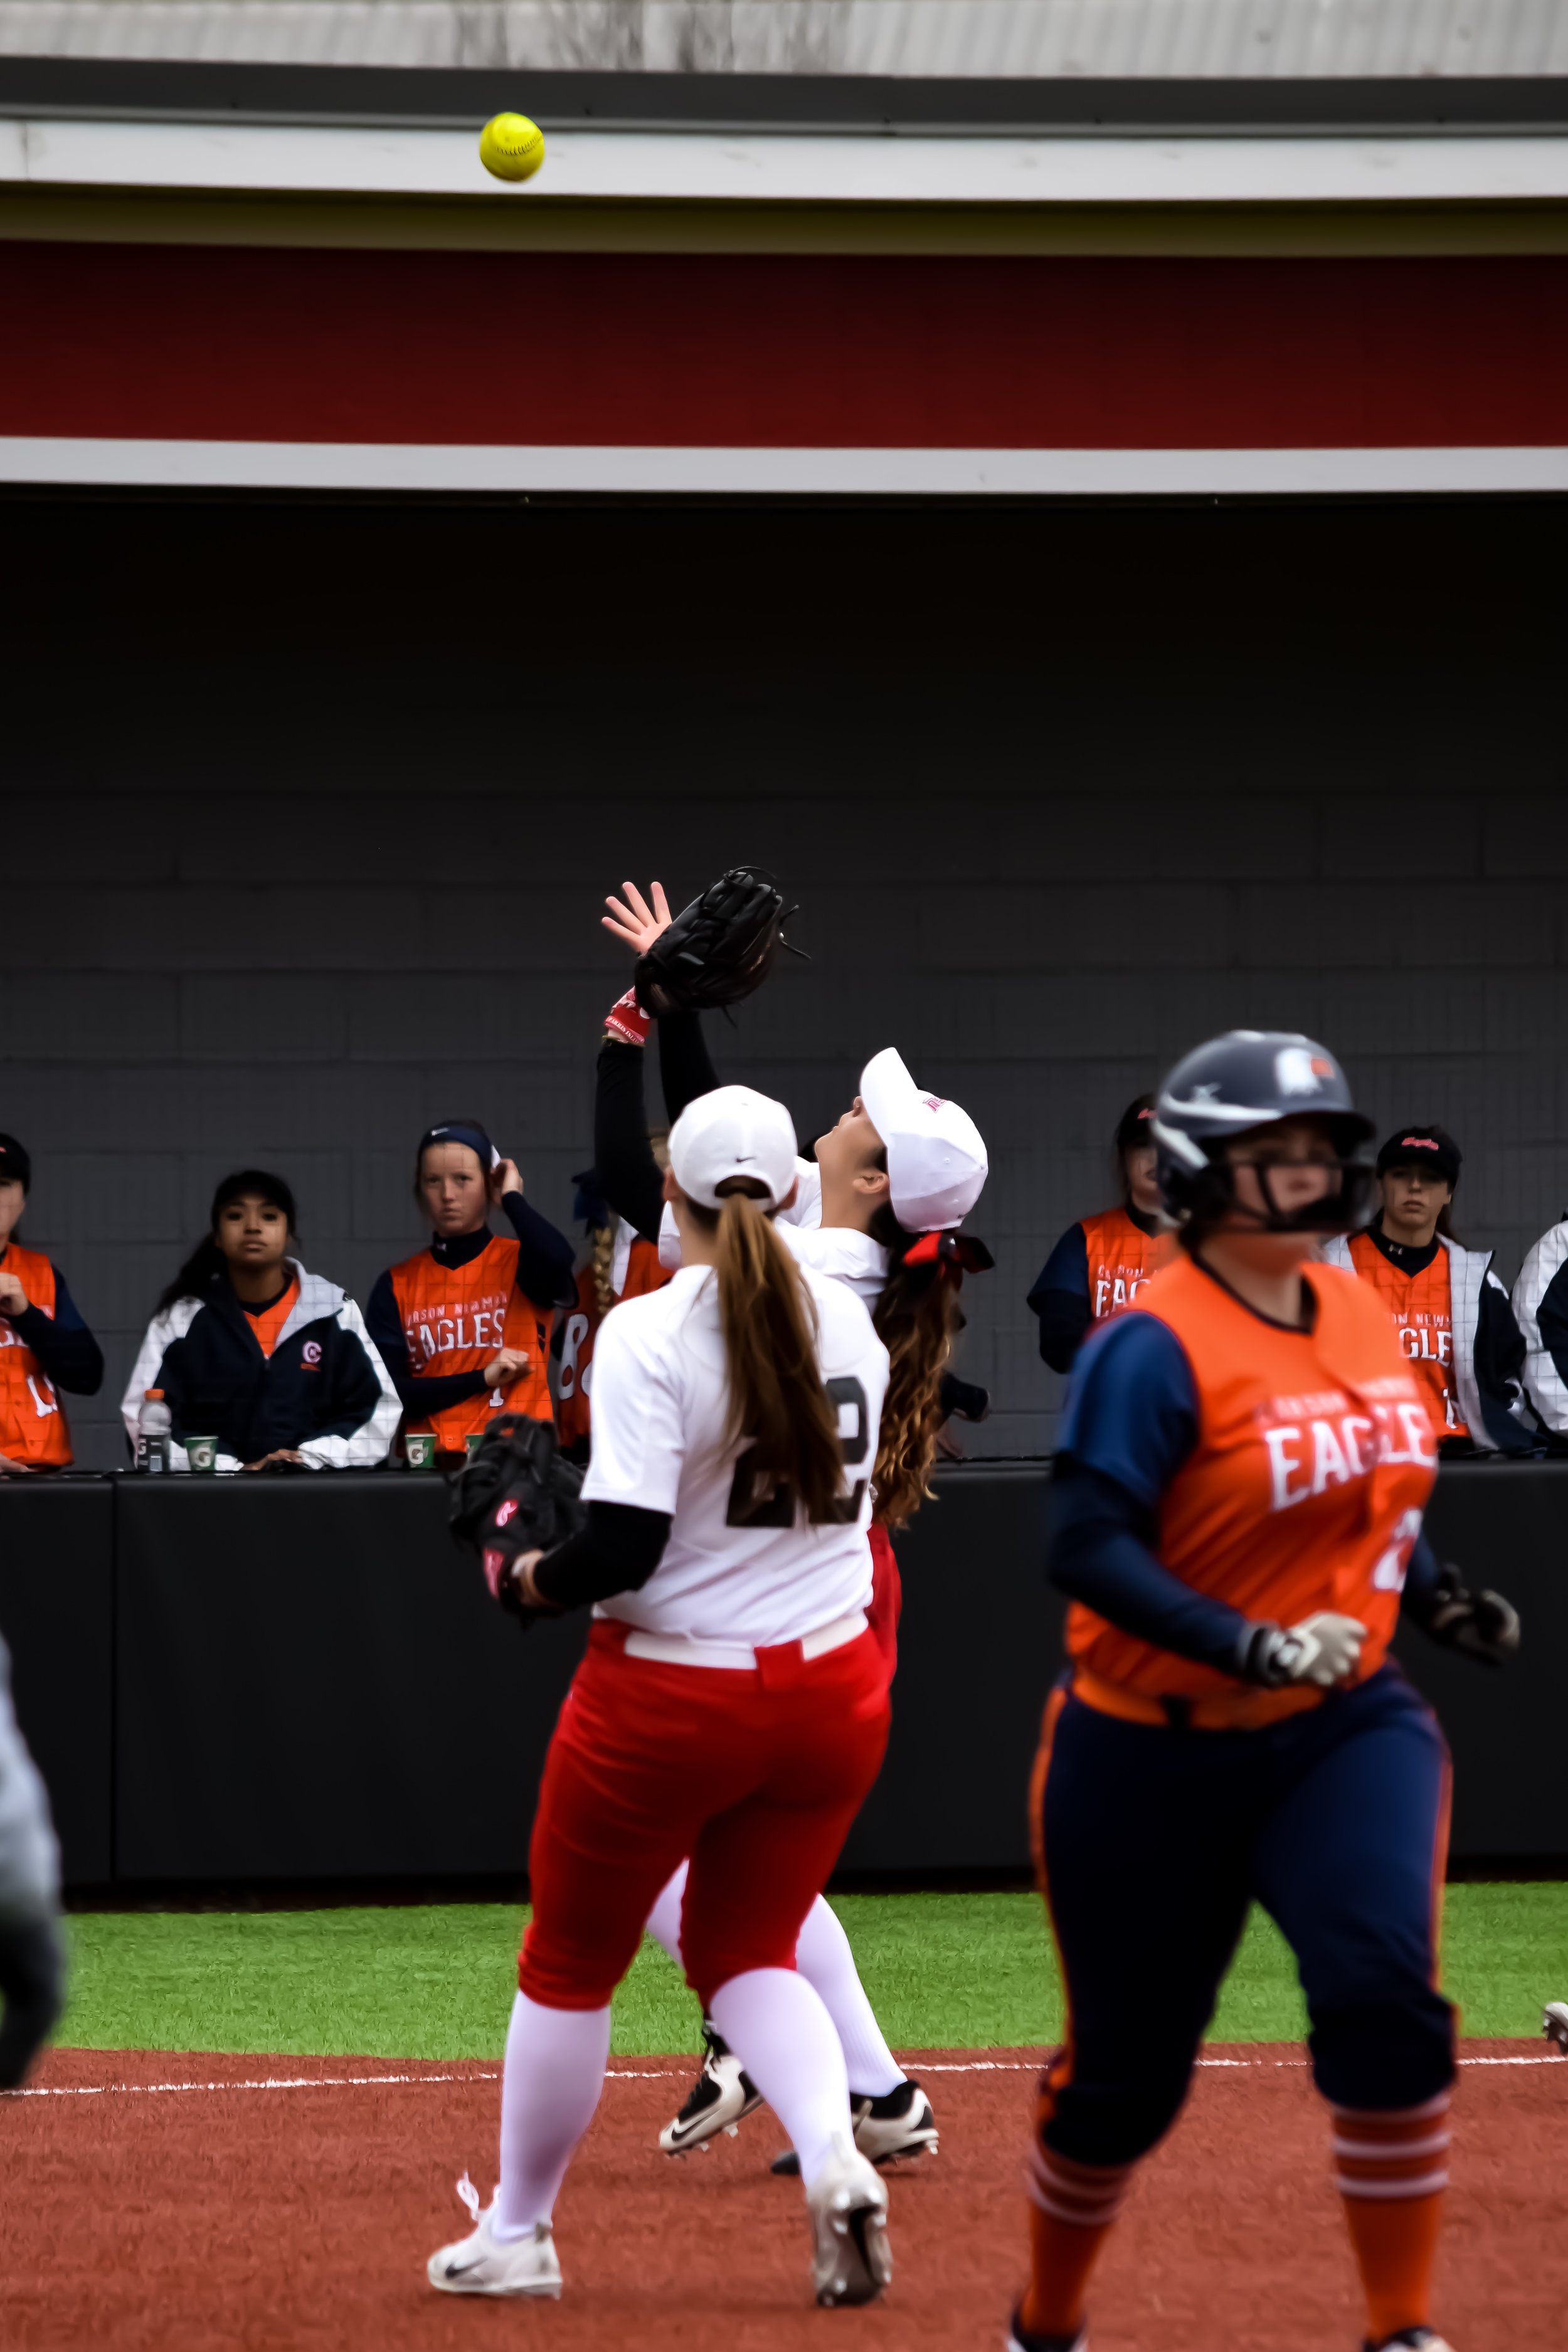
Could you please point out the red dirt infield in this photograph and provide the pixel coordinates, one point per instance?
(192, 2202)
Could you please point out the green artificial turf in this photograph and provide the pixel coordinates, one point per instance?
(942, 1971)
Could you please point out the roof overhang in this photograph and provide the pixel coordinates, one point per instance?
(812, 381)
(845, 168)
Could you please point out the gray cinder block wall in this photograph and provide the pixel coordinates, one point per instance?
(310, 809)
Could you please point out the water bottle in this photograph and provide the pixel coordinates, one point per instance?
(154, 1424)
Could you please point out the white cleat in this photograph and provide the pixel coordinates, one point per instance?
(1018, 2341)
(1412, 2339)
(900, 2125)
(851, 2259)
(1554, 2025)
(721, 2099)
(481, 2265)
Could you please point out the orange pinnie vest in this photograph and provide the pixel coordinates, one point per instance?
(454, 1317)
(32, 1419)
(572, 1413)
(1121, 1260)
(1313, 1463)
(1421, 1309)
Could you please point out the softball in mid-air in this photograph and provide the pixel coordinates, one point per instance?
(511, 147)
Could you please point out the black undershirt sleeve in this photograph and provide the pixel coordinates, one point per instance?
(544, 1255)
(630, 1176)
(69, 1355)
(416, 1392)
(685, 1066)
(1422, 1574)
(618, 1551)
(1065, 1319)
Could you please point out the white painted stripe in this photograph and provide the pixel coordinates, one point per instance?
(615, 2074)
(1427, 2184)
(408, 467)
(791, 167)
(1381, 2151)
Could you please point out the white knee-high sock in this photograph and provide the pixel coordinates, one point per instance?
(664, 1919)
(783, 2037)
(553, 2075)
(825, 1960)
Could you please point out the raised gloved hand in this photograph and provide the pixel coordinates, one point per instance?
(1322, 1650)
(1481, 1625)
(718, 949)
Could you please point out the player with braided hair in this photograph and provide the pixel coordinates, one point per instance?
(1237, 1497)
(619, 1264)
(879, 1211)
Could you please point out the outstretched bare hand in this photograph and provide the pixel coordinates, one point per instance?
(636, 923)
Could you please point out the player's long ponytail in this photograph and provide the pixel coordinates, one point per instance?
(916, 1317)
(776, 1396)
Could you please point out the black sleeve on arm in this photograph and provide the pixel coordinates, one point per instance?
(685, 1066)
(416, 1392)
(618, 1551)
(63, 1344)
(544, 1255)
(1102, 1554)
(1064, 1318)
(631, 1178)
(1421, 1575)
(1060, 1298)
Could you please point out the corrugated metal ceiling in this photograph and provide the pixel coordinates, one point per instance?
(1114, 39)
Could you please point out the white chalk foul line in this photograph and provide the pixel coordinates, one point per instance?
(613, 2074)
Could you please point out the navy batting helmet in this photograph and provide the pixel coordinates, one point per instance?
(1247, 1079)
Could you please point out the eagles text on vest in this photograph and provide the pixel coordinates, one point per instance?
(1305, 1489)
(1421, 1308)
(455, 1318)
(1121, 1260)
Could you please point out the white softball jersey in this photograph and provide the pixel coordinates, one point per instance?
(739, 1567)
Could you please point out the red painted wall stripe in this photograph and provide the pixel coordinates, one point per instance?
(192, 342)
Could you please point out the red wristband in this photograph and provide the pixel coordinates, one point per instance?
(627, 1020)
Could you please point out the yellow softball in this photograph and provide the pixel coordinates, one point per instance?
(511, 147)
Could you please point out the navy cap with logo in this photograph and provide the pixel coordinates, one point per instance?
(1432, 1149)
(15, 1164)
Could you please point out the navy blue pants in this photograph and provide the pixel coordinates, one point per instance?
(1155, 1842)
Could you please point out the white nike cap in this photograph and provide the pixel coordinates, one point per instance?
(936, 1156)
(733, 1131)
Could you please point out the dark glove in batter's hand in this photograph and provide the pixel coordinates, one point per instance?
(1479, 1625)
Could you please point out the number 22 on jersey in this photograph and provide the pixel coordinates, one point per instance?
(756, 1501)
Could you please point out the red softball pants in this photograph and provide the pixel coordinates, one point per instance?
(886, 1598)
(756, 1775)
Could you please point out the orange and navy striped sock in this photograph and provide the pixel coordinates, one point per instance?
(1391, 2169)
(1071, 2208)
